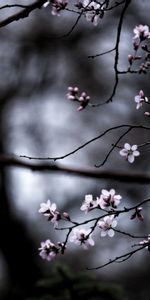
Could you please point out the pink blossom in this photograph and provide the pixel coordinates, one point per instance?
(49, 210)
(48, 250)
(88, 204)
(57, 6)
(108, 198)
(140, 99)
(92, 11)
(82, 237)
(141, 32)
(129, 152)
(106, 226)
(84, 99)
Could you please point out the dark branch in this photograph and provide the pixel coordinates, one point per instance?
(113, 146)
(120, 258)
(140, 178)
(87, 143)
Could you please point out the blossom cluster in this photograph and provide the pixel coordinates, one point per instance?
(83, 98)
(141, 33)
(106, 200)
(93, 11)
(57, 6)
(107, 203)
(82, 236)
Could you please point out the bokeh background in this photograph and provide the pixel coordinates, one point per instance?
(37, 64)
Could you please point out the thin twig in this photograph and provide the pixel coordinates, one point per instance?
(112, 148)
(24, 13)
(120, 258)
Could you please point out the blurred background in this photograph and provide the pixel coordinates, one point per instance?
(37, 64)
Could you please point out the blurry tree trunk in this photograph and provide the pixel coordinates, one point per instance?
(15, 243)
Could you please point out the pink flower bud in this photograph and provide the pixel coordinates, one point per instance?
(130, 59)
(66, 216)
(147, 113)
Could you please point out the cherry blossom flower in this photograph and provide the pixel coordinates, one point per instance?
(137, 214)
(106, 226)
(146, 243)
(57, 6)
(49, 210)
(141, 32)
(48, 250)
(140, 99)
(82, 237)
(88, 204)
(108, 198)
(147, 113)
(92, 12)
(129, 152)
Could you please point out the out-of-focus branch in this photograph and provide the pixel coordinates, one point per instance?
(12, 161)
(24, 13)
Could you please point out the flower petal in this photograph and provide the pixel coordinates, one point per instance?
(111, 232)
(131, 158)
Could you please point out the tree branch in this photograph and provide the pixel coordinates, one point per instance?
(12, 161)
(120, 258)
(88, 142)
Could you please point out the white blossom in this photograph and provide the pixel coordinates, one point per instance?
(106, 226)
(92, 11)
(82, 237)
(129, 152)
(88, 203)
(48, 209)
(108, 198)
(57, 6)
(140, 99)
(147, 113)
(141, 32)
(48, 250)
